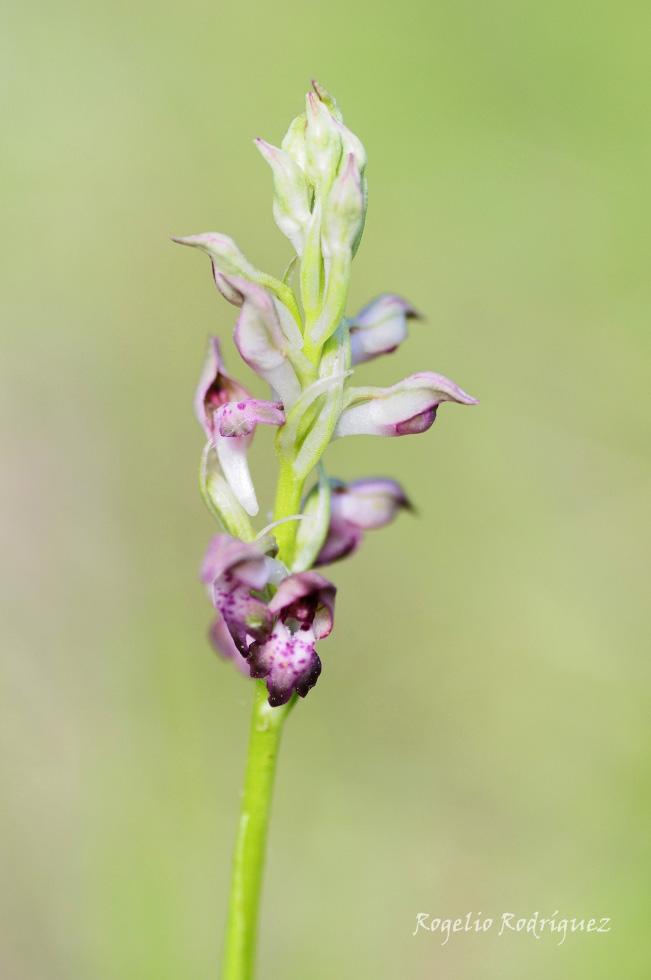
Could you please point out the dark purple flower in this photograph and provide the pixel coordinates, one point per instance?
(274, 637)
(234, 570)
(303, 608)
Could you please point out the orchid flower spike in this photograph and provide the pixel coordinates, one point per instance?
(296, 335)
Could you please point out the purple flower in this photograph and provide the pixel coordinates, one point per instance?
(380, 327)
(287, 659)
(274, 637)
(356, 507)
(234, 570)
(403, 409)
(229, 416)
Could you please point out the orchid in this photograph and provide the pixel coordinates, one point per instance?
(271, 608)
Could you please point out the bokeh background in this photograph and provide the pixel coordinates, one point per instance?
(479, 739)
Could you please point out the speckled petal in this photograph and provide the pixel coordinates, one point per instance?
(233, 569)
(287, 661)
(215, 388)
(235, 419)
(244, 559)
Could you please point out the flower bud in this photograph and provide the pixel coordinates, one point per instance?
(328, 100)
(380, 327)
(344, 211)
(343, 218)
(322, 144)
(291, 207)
(311, 273)
(294, 141)
(403, 409)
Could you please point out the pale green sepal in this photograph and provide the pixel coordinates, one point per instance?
(327, 99)
(294, 140)
(333, 371)
(311, 272)
(313, 529)
(220, 499)
(334, 300)
(322, 145)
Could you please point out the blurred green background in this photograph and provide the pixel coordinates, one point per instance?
(479, 739)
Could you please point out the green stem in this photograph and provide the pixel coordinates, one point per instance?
(288, 502)
(264, 740)
(248, 861)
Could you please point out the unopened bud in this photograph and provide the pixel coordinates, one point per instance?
(345, 209)
(322, 144)
(291, 207)
(294, 140)
(328, 100)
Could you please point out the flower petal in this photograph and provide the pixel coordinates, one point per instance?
(232, 453)
(222, 642)
(232, 569)
(308, 598)
(369, 503)
(215, 388)
(287, 661)
(228, 555)
(342, 540)
(240, 418)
